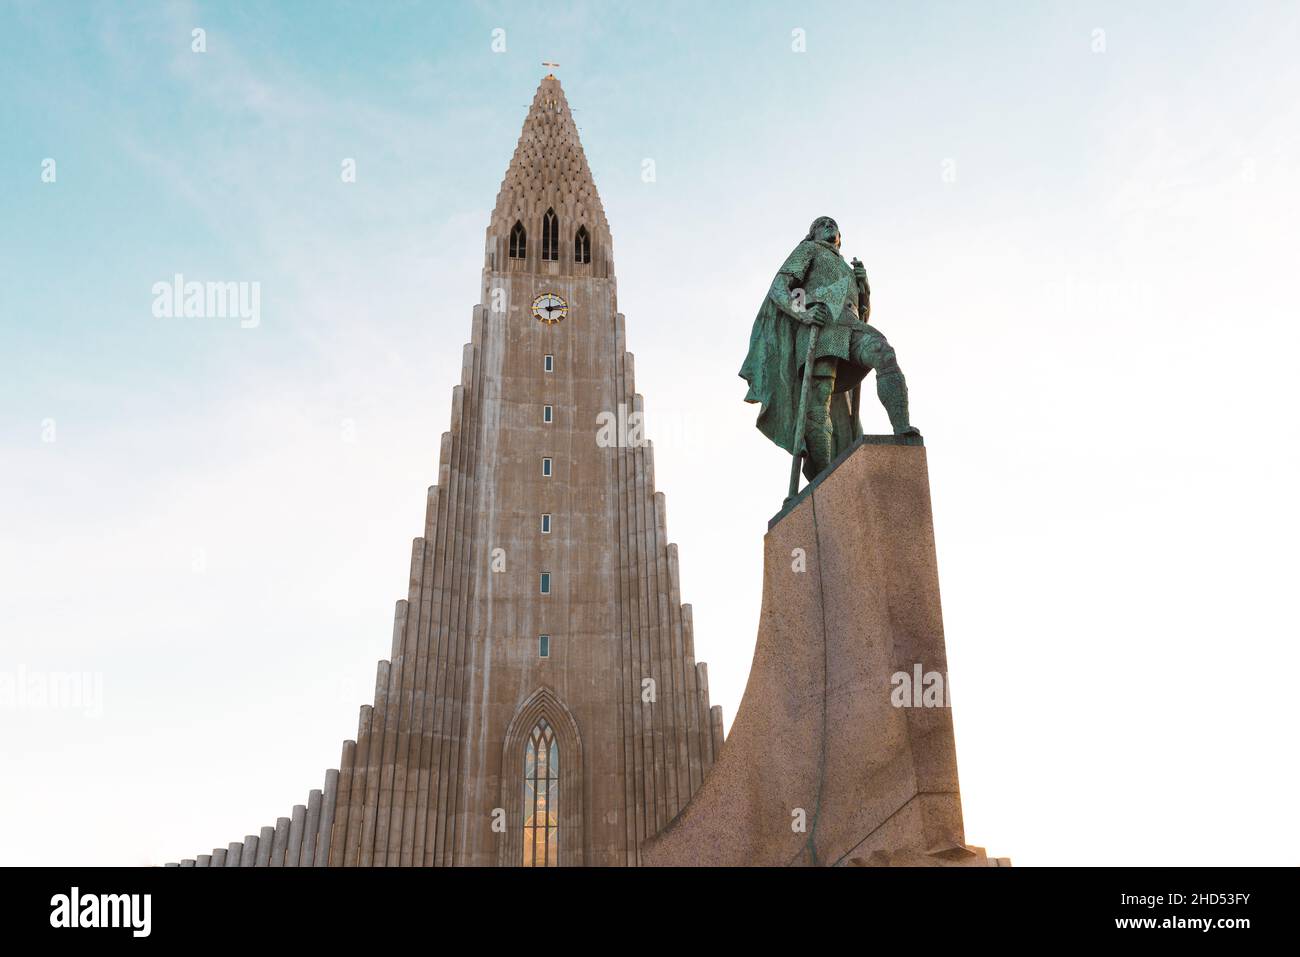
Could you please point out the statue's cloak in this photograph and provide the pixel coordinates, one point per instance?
(778, 345)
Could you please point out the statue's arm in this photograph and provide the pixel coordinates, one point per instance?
(790, 277)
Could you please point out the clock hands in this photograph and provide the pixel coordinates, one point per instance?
(550, 304)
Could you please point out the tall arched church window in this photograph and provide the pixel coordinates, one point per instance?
(550, 236)
(541, 797)
(518, 241)
(582, 245)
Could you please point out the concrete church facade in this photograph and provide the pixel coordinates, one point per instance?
(541, 704)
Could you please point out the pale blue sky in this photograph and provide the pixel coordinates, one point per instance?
(1095, 315)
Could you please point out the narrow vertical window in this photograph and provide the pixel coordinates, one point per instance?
(548, 364)
(546, 468)
(543, 646)
(546, 583)
(582, 245)
(541, 798)
(546, 524)
(551, 236)
(518, 241)
(547, 413)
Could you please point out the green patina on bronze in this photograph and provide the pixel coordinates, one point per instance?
(819, 300)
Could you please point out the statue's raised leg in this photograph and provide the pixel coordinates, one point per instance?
(891, 389)
(871, 350)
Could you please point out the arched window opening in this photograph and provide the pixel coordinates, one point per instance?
(518, 241)
(582, 245)
(541, 797)
(550, 236)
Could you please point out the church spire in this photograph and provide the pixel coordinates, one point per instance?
(548, 217)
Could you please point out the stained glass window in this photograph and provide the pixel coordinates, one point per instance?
(541, 797)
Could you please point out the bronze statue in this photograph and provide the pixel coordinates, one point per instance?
(816, 313)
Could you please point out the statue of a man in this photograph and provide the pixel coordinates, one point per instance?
(816, 287)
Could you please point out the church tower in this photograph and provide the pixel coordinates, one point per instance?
(542, 704)
(581, 693)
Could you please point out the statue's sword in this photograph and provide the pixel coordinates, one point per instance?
(799, 451)
(855, 402)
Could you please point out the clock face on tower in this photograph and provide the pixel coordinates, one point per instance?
(550, 308)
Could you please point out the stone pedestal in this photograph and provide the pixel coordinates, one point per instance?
(821, 766)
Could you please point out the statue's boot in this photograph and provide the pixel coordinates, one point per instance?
(891, 389)
(821, 446)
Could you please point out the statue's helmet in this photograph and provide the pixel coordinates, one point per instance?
(823, 227)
